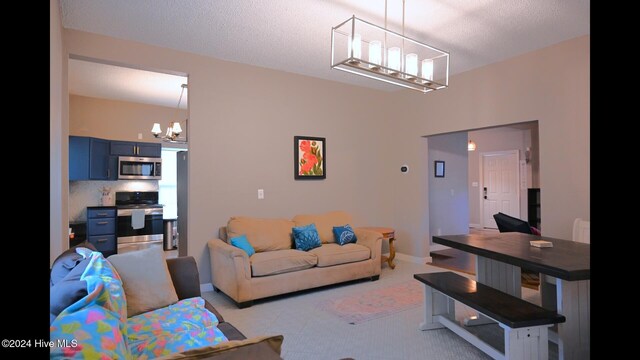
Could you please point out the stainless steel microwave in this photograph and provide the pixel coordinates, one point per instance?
(139, 168)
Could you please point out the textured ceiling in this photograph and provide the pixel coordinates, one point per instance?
(295, 35)
(121, 83)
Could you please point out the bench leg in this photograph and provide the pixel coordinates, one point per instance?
(498, 275)
(526, 343)
(435, 304)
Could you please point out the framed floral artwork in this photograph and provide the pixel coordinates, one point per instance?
(310, 162)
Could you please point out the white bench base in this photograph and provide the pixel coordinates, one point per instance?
(523, 343)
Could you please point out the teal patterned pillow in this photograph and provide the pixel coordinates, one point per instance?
(306, 237)
(244, 244)
(344, 234)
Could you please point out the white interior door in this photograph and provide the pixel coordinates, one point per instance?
(500, 186)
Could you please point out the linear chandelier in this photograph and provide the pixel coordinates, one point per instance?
(174, 129)
(365, 49)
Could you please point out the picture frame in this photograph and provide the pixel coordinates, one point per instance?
(309, 158)
(438, 167)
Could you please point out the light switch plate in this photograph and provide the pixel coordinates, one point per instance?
(260, 194)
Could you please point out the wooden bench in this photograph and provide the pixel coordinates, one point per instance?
(525, 324)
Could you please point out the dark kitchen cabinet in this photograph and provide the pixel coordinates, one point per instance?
(90, 159)
(130, 148)
(102, 225)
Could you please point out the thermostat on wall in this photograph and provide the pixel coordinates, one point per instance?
(404, 169)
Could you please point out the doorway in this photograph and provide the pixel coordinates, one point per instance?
(500, 185)
(121, 103)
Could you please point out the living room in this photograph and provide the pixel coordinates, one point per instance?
(243, 118)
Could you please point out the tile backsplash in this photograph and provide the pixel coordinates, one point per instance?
(89, 193)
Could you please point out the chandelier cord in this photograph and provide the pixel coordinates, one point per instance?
(385, 22)
(184, 86)
(403, 20)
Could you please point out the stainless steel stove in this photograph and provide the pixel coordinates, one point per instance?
(139, 220)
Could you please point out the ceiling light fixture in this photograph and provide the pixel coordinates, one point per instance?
(388, 56)
(174, 130)
(471, 146)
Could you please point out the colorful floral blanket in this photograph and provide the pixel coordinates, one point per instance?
(96, 326)
(179, 327)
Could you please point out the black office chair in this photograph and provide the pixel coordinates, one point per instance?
(508, 223)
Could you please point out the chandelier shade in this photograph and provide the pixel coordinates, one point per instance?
(362, 48)
(174, 129)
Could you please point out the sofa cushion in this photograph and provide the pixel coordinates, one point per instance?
(263, 234)
(306, 237)
(281, 261)
(334, 254)
(324, 223)
(146, 279)
(175, 328)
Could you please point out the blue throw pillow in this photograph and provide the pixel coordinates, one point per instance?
(242, 243)
(306, 237)
(344, 234)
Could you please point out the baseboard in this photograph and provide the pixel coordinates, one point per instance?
(475, 226)
(413, 259)
(206, 287)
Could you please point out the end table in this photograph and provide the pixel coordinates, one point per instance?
(387, 234)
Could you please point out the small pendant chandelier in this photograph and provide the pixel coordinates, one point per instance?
(365, 49)
(174, 130)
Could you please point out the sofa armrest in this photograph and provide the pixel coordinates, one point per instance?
(372, 240)
(230, 270)
(185, 277)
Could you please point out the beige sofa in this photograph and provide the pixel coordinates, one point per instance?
(278, 268)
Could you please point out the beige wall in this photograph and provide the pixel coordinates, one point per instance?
(550, 85)
(119, 120)
(243, 119)
(242, 123)
(58, 133)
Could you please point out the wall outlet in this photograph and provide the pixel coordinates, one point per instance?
(139, 136)
(260, 194)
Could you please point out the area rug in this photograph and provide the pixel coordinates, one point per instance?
(374, 304)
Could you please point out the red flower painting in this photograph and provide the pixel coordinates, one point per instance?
(309, 157)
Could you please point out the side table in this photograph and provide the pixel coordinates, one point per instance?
(388, 234)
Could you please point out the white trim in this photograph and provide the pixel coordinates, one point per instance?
(480, 193)
(206, 287)
(475, 226)
(413, 259)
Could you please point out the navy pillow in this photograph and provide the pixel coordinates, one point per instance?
(68, 290)
(67, 261)
(306, 237)
(344, 234)
(242, 243)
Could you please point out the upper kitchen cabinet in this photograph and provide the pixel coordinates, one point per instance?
(128, 148)
(89, 159)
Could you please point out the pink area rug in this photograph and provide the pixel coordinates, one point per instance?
(358, 308)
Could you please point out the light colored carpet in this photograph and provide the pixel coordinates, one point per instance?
(310, 333)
